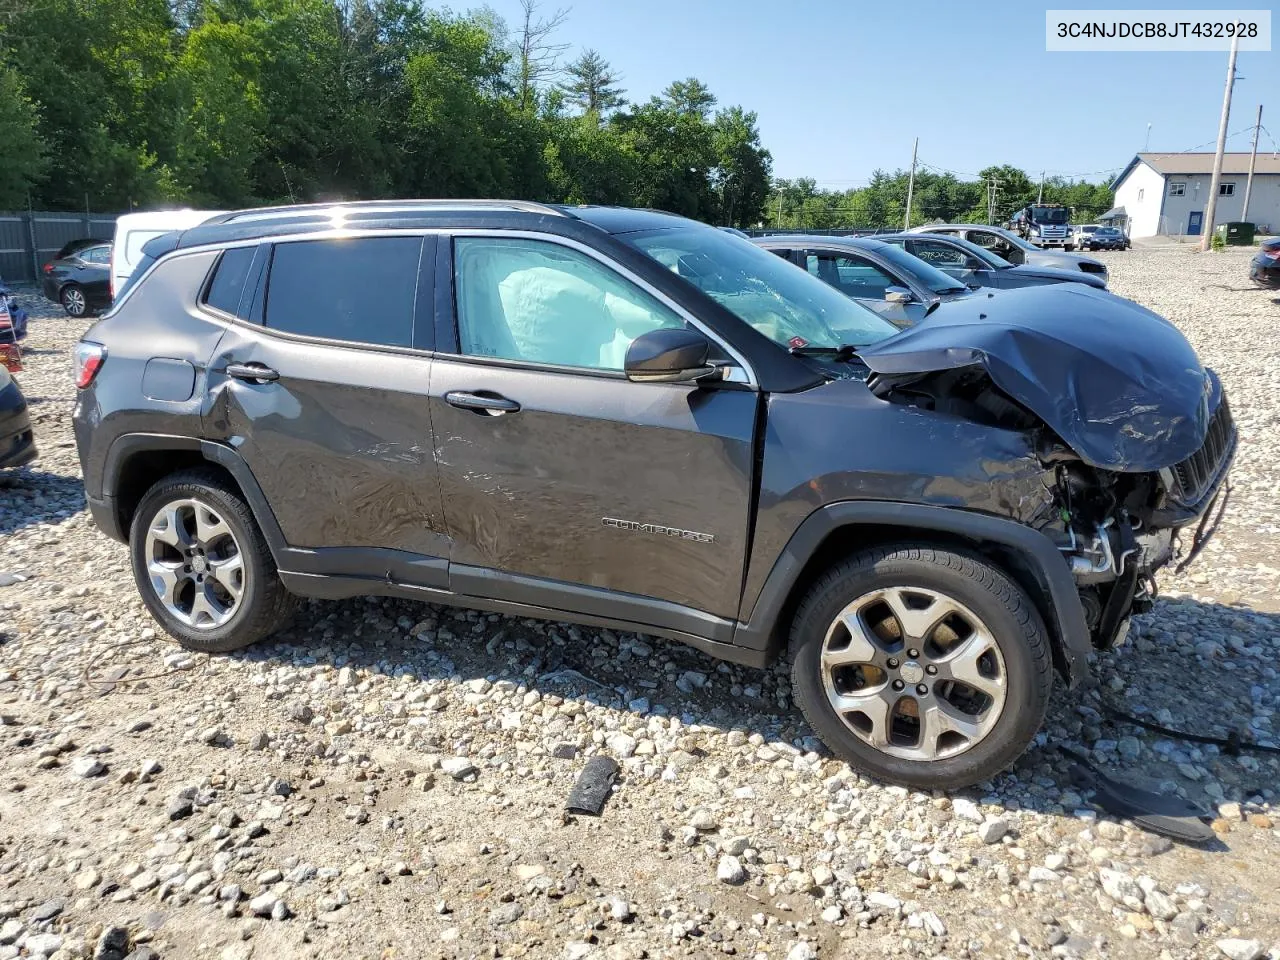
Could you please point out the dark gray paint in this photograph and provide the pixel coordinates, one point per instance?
(365, 479)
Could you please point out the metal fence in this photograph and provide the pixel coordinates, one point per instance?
(29, 240)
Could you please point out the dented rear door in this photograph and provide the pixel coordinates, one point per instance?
(322, 389)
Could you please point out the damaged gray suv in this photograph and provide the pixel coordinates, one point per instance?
(628, 419)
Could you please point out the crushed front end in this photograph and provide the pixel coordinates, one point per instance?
(1116, 530)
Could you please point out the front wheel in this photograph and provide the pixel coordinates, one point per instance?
(920, 665)
(202, 565)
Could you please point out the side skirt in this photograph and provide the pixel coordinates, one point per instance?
(326, 587)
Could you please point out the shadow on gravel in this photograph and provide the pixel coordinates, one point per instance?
(640, 675)
(29, 497)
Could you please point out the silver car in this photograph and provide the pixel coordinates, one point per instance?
(1013, 248)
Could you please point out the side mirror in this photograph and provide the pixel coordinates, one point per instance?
(897, 295)
(668, 356)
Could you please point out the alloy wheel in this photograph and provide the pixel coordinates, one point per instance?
(73, 301)
(194, 563)
(914, 673)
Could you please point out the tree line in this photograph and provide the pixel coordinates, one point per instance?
(121, 104)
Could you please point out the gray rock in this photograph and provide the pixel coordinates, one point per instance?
(45, 943)
(993, 830)
(506, 914)
(458, 767)
(113, 944)
(86, 767)
(730, 870)
(802, 951)
(48, 910)
(263, 904)
(180, 808)
(1161, 905)
(966, 810)
(1236, 949)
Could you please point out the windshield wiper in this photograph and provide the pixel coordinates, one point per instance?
(844, 353)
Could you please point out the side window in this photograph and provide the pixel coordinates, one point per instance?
(361, 290)
(96, 255)
(228, 279)
(852, 276)
(984, 239)
(541, 302)
(944, 256)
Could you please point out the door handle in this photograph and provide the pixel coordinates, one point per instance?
(488, 403)
(252, 372)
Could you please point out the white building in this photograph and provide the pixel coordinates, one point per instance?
(1168, 193)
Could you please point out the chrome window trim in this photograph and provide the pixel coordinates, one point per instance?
(616, 268)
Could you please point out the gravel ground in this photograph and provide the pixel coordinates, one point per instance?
(388, 779)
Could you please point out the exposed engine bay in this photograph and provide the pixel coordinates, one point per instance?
(1115, 528)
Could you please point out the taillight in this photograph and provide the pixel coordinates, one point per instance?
(89, 360)
(48, 267)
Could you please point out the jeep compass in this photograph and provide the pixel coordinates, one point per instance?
(628, 419)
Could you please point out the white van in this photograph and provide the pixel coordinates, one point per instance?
(135, 229)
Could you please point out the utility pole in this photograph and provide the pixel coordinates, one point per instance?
(1147, 146)
(991, 201)
(911, 184)
(1211, 208)
(779, 218)
(1040, 195)
(1253, 159)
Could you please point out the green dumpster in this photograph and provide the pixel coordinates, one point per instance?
(1236, 233)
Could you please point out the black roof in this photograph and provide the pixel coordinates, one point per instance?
(263, 222)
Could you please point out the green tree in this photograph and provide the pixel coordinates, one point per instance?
(676, 154)
(690, 95)
(743, 167)
(22, 151)
(592, 85)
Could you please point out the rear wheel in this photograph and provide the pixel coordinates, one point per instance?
(202, 565)
(73, 300)
(920, 665)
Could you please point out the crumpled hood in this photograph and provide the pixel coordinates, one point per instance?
(1118, 383)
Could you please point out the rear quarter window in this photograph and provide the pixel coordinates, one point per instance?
(229, 276)
(359, 289)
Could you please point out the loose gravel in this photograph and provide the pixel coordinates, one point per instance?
(388, 779)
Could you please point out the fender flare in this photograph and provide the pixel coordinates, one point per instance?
(1059, 602)
(126, 445)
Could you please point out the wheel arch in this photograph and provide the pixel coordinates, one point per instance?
(136, 462)
(833, 531)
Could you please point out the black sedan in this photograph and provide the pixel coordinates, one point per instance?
(1265, 268)
(882, 277)
(16, 444)
(79, 277)
(977, 266)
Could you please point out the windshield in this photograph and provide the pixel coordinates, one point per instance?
(1050, 214)
(926, 273)
(774, 296)
(1014, 239)
(1107, 231)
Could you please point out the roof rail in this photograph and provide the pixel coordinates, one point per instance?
(390, 206)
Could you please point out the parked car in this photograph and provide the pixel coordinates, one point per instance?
(1011, 247)
(79, 277)
(980, 267)
(1083, 231)
(883, 278)
(1106, 238)
(135, 230)
(17, 444)
(1265, 268)
(632, 420)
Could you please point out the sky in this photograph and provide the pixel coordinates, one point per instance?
(842, 88)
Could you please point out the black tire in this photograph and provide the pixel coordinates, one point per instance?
(1011, 619)
(74, 300)
(265, 605)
